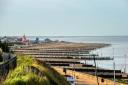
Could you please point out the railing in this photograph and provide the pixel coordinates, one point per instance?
(6, 66)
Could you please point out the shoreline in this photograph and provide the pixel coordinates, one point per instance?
(61, 48)
(63, 44)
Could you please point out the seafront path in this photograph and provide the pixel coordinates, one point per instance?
(86, 79)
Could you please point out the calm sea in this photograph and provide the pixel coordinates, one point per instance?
(118, 48)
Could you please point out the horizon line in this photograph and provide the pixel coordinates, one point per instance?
(66, 35)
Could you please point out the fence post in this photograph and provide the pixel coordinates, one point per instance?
(6, 66)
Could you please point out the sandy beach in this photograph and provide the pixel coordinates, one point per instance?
(69, 45)
(59, 49)
(86, 79)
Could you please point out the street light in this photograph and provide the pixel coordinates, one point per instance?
(95, 67)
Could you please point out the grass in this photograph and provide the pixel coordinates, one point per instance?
(21, 76)
(124, 81)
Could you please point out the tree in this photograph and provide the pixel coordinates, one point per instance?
(4, 46)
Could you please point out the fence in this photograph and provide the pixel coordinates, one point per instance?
(6, 66)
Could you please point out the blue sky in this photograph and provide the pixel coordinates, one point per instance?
(64, 17)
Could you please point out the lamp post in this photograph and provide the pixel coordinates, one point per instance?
(114, 67)
(95, 68)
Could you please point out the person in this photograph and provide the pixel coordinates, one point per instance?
(1, 52)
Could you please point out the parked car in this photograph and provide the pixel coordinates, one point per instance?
(70, 79)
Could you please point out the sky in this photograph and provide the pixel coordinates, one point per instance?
(63, 17)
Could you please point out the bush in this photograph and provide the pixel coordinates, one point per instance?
(4, 46)
(24, 76)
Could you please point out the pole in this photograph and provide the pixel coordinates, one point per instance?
(114, 73)
(125, 64)
(95, 69)
(114, 67)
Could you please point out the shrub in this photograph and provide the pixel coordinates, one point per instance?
(22, 75)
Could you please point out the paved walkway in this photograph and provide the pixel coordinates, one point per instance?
(86, 79)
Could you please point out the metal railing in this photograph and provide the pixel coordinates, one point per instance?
(6, 66)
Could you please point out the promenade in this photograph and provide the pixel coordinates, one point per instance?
(86, 79)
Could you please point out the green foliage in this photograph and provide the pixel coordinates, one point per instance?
(23, 60)
(52, 75)
(4, 46)
(1, 62)
(20, 76)
(124, 81)
(28, 79)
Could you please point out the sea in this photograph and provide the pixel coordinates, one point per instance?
(117, 50)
